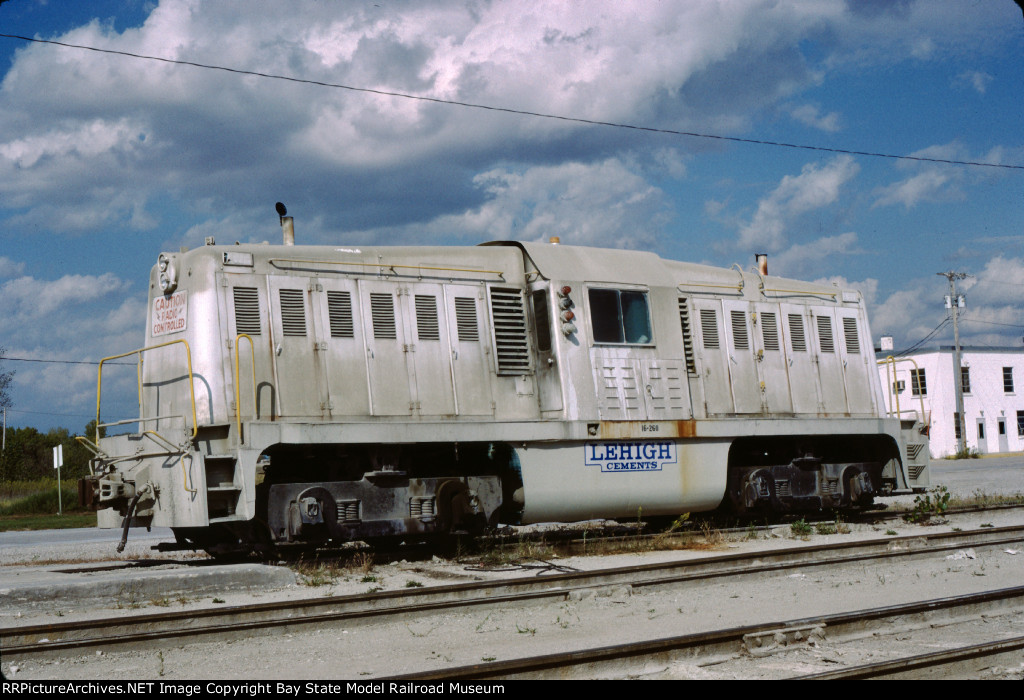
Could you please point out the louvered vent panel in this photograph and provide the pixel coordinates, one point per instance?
(293, 312)
(709, 328)
(426, 318)
(510, 331)
(739, 330)
(382, 309)
(465, 317)
(796, 333)
(339, 309)
(825, 334)
(770, 331)
(684, 321)
(247, 310)
(850, 335)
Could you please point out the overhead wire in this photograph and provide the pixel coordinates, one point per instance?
(521, 112)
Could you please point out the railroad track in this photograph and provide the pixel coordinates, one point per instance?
(655, 658)
(171, 628)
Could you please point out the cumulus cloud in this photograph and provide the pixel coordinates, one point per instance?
(603, 204)
(811, 116)
(976, 80)
(803, 259)
(10, 268)
(815, 187)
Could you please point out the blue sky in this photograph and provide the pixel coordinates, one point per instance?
(107, 160)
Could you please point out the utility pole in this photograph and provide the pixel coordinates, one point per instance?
(955, 302)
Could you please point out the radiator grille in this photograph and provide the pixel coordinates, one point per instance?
(427, 327)
(796, 333)
(293, 312)
(825, 334)
(770, 331)
(510, 342)
(740, 339)
(684, 321)
(247, 310)
(465, 318)
(339, 309)
(382, 309)
(709, 328)
(850, 335)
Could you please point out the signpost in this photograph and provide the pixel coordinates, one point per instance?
(58, 462)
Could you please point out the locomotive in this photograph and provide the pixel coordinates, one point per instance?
(301, 395)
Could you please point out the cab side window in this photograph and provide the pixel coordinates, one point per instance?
(620, 317)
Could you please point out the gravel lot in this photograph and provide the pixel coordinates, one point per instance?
(363, 651)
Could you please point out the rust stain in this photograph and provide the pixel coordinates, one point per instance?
(647, 430)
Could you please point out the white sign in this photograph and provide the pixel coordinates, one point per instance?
(169, 313)
(58, 456)
(630, 456)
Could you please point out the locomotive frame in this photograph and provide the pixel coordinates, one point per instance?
(303, 394)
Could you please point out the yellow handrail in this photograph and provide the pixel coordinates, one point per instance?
(801, 292)
(890, 362)
(191, 383)
(238, 396)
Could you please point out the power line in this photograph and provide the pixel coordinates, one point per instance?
(521, 112)
(923, 340)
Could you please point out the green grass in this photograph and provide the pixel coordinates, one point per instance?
(37, 509)
(46, 522)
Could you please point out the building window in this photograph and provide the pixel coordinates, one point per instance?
(1020, 423)
(899, 386)
(965, 380)
(620, 316)
(956, 425)
(918, 385)
(1008, 380)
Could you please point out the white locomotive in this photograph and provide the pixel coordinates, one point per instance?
(300, 394)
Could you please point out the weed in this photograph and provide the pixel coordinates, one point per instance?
(374, 589)
(932, 504)
(825, 528)
(751, 532)
(488, 658)
(891, 532)
(967, 453)
(986, 525)
(219, 600)
(525, 630)
(801, 529)
(369, 578)
(161, 602)
(413, 584)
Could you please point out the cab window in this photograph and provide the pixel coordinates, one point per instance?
(620, 316)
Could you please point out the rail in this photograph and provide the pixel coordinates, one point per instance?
(890, 363)
(386, 266)
(142, 418)
(238, 396)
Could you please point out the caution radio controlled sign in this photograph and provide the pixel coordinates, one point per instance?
(169, 313)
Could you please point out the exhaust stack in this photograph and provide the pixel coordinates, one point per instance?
(287, 224)
(762, 263)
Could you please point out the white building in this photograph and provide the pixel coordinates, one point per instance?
(993, 387)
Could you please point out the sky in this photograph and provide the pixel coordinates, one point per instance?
(106, 159)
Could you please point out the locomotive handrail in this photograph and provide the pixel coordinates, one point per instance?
(141, 418)
(389, 266)
(92, 447)
(890, 361)
(238, 398)
(737, 287)
(802, 292)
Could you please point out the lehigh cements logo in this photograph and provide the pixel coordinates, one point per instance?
(633, 456)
